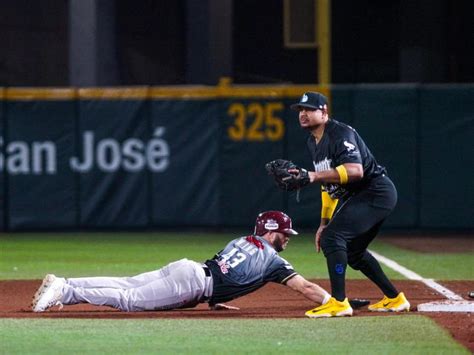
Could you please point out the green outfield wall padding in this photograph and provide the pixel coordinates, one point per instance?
(113, 137)
(253, 132)
(305, 212)
(342, 103)
(41, 187)
(3, 174)
(175, 157)
(186, 191)
(447, 156)
(386, 118)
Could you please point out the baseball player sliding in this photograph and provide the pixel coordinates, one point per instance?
(243, 266)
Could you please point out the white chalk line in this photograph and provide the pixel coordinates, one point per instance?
(450, 295)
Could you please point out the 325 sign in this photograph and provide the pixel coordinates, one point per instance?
(256, 122)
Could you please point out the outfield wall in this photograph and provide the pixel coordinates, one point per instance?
(194, 156)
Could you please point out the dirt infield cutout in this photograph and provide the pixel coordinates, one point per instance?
(271, 301)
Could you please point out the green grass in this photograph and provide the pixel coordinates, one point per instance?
(370, 335)
(26, 256)
(31, 256)
(440, 266)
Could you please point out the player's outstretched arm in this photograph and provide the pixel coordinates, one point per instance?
(308, 289)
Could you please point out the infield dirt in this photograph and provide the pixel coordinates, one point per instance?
(271, 301)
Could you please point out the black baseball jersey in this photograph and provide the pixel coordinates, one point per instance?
(341, 144)
(245, 265)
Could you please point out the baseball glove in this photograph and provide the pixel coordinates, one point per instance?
(283, 178)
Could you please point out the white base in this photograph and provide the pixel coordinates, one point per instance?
(446, 306)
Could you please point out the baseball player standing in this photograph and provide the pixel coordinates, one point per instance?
(243, 266)
(352, 181)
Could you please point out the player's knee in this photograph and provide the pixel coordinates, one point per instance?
(354, 263)
(125, 302)
(356, 260)
(330, 243)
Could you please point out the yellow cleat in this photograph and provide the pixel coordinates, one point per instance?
(397, 304)
(333, 308)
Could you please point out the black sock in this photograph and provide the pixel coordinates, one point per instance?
(370, 267)
(337, 263)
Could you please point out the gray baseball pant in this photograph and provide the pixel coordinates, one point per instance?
(180, 284)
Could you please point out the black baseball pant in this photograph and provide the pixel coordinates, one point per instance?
(353, 226)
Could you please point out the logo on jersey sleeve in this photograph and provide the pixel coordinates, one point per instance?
(350, 147)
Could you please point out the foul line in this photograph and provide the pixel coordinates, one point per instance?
(450, 295)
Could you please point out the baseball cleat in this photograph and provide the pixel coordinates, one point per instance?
(48, 294)
(397, 304)
(333, 308)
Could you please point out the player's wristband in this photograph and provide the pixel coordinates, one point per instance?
(328, 205)
(343, 178)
